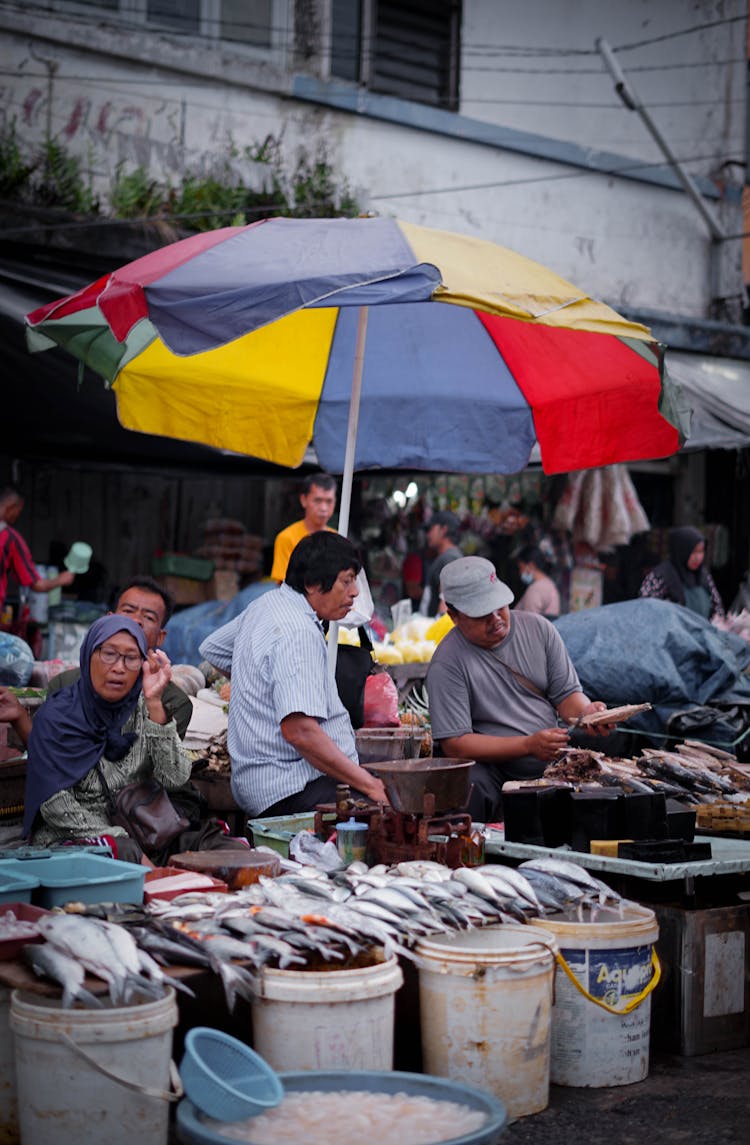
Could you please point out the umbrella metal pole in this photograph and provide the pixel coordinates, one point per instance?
(348, 474)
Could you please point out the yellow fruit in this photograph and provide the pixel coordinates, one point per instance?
(387, 654)
(439, 628)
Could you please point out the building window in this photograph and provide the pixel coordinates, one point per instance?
(258, 23)
(407, 48)
(178, 15)
(249, 21)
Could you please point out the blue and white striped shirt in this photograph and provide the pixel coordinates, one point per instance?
(279, 666)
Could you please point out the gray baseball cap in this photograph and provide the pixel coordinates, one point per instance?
(471, 585)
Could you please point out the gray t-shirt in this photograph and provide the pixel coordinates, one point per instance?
(471, 689)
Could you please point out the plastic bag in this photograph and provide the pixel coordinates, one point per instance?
(363, 607)
(381, 702)
(308, 849)
(16, 661)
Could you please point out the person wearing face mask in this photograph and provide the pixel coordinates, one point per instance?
(541, 593)
(683, 578)
(498, 683)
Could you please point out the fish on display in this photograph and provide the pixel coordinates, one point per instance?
(48, 962)
(88, 942)
(573, 884)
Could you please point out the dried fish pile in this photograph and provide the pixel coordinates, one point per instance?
(216, 754)
(693, 772)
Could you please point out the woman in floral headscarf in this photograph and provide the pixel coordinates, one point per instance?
(684, 578)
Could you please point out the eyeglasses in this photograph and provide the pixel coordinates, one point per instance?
(133, 661)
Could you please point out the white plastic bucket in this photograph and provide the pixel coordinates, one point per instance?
(485, 1001)
(67, 1062)
(8, 1104)
(613, 960)
(335, 1019)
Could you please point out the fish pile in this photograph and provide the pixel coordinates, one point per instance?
(693, 772)
(76, 944)
(304, 919)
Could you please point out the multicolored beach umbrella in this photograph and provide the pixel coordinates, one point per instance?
(246, 338)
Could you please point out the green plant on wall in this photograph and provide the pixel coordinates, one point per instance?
(134, 195)
(58, 181)
(52, 177)
(314, 190)
(15, 171)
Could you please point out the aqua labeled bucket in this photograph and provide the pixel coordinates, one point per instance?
(601, 1019)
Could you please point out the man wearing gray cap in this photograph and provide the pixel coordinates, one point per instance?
(497, 684)
(442, 540)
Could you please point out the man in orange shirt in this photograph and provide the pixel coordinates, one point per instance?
(318, 500)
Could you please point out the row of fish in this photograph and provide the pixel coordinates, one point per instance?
(74, 945)
(305, 919)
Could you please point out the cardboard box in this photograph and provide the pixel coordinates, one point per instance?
(224, 584)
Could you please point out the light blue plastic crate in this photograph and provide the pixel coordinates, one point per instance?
(16, 887)
(79, 877)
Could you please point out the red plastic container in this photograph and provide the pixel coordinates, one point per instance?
(10, 948)
(169, 872)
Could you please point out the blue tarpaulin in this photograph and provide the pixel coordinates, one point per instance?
(652, 651)
(187, 629)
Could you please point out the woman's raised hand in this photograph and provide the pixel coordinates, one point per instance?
(157, 672)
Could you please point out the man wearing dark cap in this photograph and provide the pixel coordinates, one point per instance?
(442, 541)
(497, 685)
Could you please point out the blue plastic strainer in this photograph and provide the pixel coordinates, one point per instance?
(224, 1078)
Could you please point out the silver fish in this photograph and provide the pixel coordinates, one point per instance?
(151, 968)
(48, 962)
(281, 949)
(573, 872)
(125, 948)
(84, 940)
(476, 883)
(509, 876)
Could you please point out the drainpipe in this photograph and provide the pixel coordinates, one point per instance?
(628, 96)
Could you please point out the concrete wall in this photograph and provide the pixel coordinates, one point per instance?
(527, 163)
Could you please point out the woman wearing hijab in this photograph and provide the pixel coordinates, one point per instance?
(684, 578)
(111, 719)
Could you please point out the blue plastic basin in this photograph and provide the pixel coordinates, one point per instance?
(64, 877)
(193, 1129)
(16, 888)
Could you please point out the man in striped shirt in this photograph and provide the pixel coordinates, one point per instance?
(290, 737)
(15, 557)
